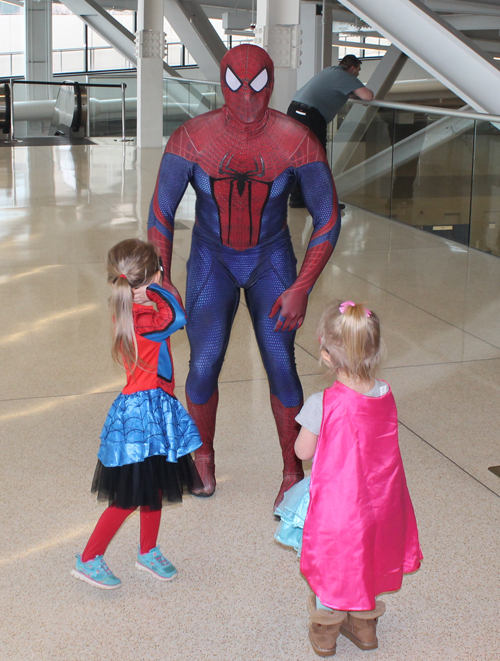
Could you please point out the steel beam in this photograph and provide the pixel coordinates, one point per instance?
(452, 6)
(107, 27)
(437, 46)
(470, 22)
(197, 34)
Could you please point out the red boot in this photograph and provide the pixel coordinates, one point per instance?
(288, 430)
(204, 459)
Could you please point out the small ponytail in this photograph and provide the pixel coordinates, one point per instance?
(350, 334)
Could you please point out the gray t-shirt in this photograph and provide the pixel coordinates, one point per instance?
(311, 413)
(328, 91)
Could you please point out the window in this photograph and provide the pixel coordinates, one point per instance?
(362, 52)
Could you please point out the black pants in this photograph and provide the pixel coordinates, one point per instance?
(314, 120)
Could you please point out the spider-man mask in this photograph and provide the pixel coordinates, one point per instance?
(247, 78)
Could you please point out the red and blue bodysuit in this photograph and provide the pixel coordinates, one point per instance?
(242, 161)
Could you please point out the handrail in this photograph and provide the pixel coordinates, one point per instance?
(181, 79)
(133, 74)
(431, 110)
(5, 107)
(66, 82)
(77, 113)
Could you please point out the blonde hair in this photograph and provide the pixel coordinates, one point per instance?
(351, 338)
(131, 263)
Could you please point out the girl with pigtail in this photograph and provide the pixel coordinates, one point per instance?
(144, 457)
(352, 521)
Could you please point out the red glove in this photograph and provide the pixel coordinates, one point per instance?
(293, 304)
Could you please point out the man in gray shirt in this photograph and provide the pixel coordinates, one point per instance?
(319, 100)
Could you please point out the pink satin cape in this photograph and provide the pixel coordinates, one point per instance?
(360, 533)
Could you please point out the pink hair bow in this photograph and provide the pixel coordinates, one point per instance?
(350, 304)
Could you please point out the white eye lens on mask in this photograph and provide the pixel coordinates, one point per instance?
(232, 81)
(260, 81)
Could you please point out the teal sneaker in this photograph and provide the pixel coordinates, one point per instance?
(157, 564)
(95, 572)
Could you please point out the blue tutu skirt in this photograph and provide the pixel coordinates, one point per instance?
(144, 458)
(292, 511)
(145, 424)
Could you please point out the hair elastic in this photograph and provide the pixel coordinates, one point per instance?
(122, 276)
(350, 304)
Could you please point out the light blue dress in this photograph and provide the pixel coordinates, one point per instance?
(292, 510)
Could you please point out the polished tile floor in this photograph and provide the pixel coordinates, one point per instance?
(239, 595)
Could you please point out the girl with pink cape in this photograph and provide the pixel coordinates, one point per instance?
(354, 525)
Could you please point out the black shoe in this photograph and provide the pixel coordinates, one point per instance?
(341, 207)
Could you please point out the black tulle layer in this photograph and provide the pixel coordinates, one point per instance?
(147, 483)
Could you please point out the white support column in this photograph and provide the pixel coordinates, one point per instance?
(38, 52)
(327, 36)
(278, 32)
(150, 47)
(311, 44)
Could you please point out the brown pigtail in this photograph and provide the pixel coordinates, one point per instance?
(131, 263)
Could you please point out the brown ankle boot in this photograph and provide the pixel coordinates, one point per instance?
(361, 627)
(324, 626)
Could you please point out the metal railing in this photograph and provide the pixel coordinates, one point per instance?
(435, 110)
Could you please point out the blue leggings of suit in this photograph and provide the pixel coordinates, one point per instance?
(215, 276)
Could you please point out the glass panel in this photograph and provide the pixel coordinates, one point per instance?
(125, 17)
(5, 65)
(368, 52)
(365, 178)
(176, 105)
(431, 186)
(349, 50)
(174, 55)
(96, 94)
(12, 29)
(170, 33)
(102, 59)
(32, 120)
(96, 41)
(485, 213)
(105, 111)
(68, 60)
(188, 58)
(18, 64)
(184, 100)
(68, 32)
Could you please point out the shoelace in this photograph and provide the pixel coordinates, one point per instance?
(160, 559)
(103, 567)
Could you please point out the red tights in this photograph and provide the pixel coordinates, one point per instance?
(109, 524)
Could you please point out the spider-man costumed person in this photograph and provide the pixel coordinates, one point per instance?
(242, 161)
